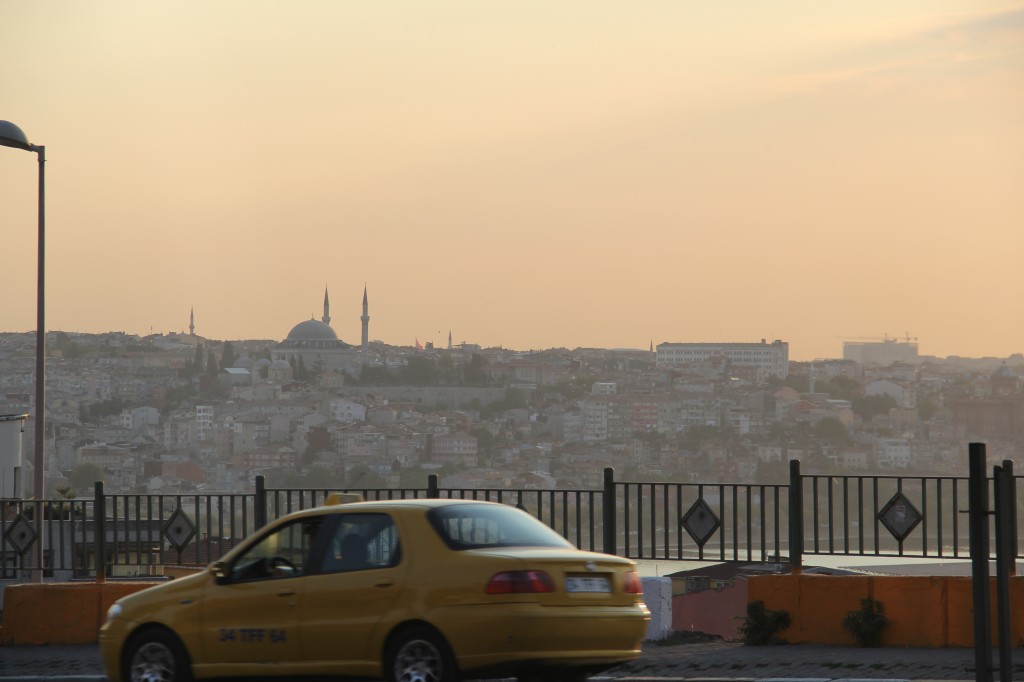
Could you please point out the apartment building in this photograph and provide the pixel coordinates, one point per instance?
(772, 358)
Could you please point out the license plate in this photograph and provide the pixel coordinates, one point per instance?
(587, 584)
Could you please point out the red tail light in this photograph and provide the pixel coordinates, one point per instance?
(518, 582)
(632, 583)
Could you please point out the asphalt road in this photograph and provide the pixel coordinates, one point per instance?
(715, 660)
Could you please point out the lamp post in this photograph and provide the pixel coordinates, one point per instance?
(12, 136)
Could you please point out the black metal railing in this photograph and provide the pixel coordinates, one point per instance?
(811, 514)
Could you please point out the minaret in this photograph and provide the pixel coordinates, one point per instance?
(192, 321)
(327, 307)
(366, 322)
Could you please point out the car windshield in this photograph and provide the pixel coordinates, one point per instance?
(476, 526)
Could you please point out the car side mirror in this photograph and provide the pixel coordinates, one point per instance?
(219, 571)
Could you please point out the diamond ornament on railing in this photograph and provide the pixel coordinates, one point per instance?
(700, 522)
(21, 534)
(179, 529)
(899, 516)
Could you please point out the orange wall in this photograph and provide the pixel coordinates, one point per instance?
(60, 613)
(923, 611)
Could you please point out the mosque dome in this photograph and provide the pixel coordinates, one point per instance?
(312, 330)
(312, 335)
(261, 363)
(280, 364)
(243, 362)
(1005, 372)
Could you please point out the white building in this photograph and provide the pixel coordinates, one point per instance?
(772, 358)
(455, 448)
(904, 396)
(204, 420)
(136, 418)
(892, 453)
(12, 472)
(179, 432)
(594, 412)
(346, 410)
(854, 460)
(884, 352)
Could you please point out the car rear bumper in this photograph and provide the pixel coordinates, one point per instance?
(526, 635)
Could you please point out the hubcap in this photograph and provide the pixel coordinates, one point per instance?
(152, 662)
(418, 661)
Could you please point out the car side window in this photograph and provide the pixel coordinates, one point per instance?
(360, 542)
(283, 553)
(474, 526)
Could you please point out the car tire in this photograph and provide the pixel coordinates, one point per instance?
(156, 656)
(420, 654)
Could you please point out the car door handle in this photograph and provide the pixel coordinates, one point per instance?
(386, 582)
(287, 592)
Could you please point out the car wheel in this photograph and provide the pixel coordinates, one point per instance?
(156, 656)
(420, 654)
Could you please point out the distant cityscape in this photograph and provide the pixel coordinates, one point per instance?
(178, 412)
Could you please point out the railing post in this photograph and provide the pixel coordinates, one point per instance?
(432, 489)
(99, 531)
(259, 510)
(796, 518)
(1003, 480)
(1011, 520)
(977, 496)
(608, 511)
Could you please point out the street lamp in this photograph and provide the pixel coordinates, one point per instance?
(12, 136)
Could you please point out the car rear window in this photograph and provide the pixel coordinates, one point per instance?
(476, 526)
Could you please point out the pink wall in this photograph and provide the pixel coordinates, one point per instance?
(715, 612)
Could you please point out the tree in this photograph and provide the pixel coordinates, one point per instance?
(362, 476)
(374, 375)
(447, 373)
(175, 396)
(870, 406)
(474, 374)
(211, 365)
(831, 430)
(485, 441)
(576, 387)
(85, 475)
(228, 356)
(419, 372)
(106, 408)
(926, 407)
(694, 436)
(197, 360)
(514, 399)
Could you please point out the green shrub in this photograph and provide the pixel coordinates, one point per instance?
(866, 625)
(761, 626)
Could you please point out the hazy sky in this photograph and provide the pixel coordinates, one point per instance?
(529, 174)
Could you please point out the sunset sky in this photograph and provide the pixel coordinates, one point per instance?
(524, 174)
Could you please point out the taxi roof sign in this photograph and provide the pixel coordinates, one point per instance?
(342, 498)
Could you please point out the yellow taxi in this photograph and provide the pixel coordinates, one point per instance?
(407, 591)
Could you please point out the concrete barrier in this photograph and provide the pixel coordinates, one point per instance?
(658, 597)
(60, 613)
(923, 611)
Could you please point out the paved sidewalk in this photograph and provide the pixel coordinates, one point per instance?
(733, 661)
(698, 661)
(66, 663)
